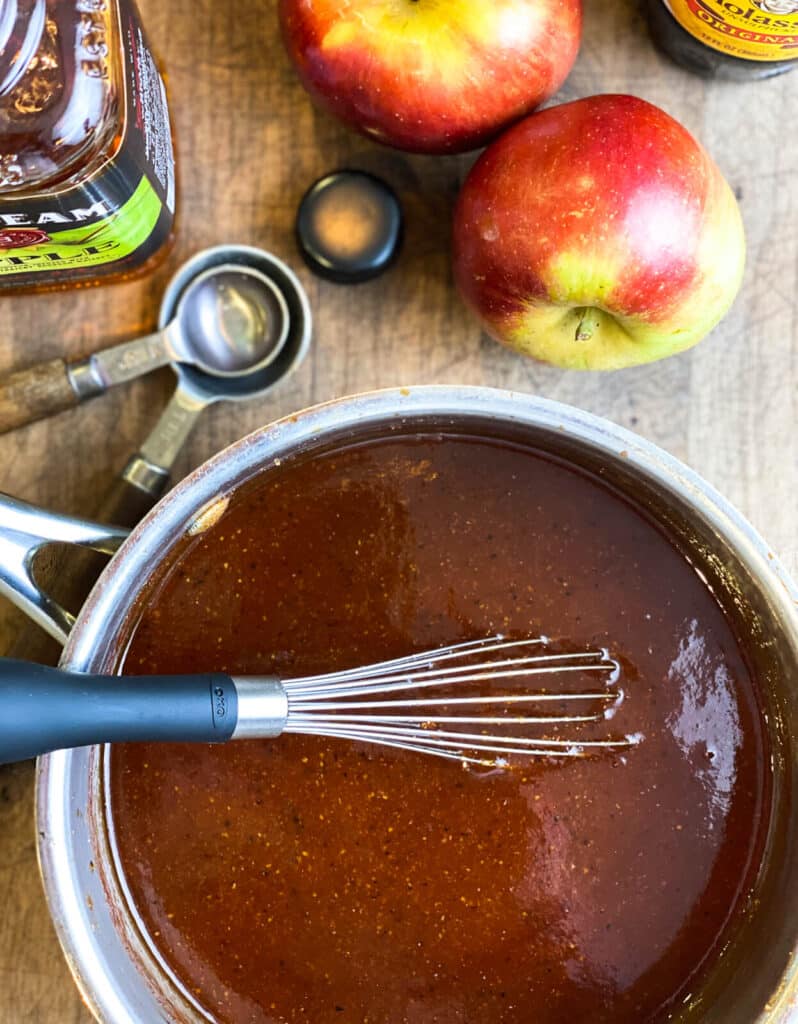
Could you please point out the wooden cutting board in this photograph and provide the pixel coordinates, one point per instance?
(249, 143)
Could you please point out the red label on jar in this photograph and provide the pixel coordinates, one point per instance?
(18, 238)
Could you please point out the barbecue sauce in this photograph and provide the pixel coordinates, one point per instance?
(315, 880)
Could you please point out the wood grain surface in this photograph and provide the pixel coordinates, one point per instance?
(249, 143)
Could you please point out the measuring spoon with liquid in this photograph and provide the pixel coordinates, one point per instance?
(231, 321)
(147, 473)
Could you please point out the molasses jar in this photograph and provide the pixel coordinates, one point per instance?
(87, 187)
(738, 40)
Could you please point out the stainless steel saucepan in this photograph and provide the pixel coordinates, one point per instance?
(121, 977)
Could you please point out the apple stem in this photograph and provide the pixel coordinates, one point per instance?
(584, 330)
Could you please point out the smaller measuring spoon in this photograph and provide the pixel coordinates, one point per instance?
(147, 473)
(231, 321)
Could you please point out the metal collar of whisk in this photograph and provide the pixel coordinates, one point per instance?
(262, 707)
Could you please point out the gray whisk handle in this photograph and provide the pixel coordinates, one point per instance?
(45, 709)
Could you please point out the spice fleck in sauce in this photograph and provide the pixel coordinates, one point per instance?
(316, 880)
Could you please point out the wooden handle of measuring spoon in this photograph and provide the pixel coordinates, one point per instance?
(32, 394)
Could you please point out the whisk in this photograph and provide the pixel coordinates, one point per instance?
(477, 702)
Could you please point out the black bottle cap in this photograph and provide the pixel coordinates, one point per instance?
(349, 227)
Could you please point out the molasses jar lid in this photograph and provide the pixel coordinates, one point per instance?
(349, 226)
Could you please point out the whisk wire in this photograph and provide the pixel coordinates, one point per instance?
(460, 650)
(326, 705)
(503, 669)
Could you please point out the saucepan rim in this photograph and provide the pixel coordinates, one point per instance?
(65, 830)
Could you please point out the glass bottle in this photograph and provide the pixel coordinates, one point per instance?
(87, 183)
(738, 40)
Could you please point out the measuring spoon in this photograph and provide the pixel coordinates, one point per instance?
(231, 321)
(147, 473)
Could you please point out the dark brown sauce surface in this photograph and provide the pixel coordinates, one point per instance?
(317, 880)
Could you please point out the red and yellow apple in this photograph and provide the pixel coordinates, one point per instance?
(598, 234)
(431, 76)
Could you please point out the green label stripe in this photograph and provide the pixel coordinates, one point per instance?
(90, 245)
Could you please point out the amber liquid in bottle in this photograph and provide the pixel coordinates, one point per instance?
(86, 163)
(738, 40)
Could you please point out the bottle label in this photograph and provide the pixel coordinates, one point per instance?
(121, 214)
(76, 238)
(763, 30)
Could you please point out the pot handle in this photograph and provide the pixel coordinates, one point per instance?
(24, 530)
